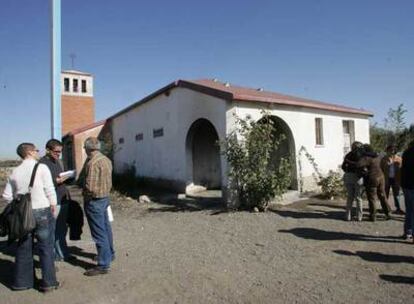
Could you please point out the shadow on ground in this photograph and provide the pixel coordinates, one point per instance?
(323, 235)
(188, 204)
(310, 214)
(397, 279)
(377, 257)
(79, 252)
(319, 209)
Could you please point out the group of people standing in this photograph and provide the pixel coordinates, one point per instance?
(49, 197)
(377, 175)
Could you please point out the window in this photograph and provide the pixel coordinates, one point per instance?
(75, 85)
(158, 132)
(121, 140)
(139, 137)
(349, 134)
(66, 84)
(319, 131)
(83, 86)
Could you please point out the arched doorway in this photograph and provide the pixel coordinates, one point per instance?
(286, 148)
(203, 155)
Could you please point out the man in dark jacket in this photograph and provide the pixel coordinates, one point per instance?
(353, 181)
(52, 161)
(374, 182)
(407, 183)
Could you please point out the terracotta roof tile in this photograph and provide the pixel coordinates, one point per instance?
(85, 128)
(237, 93)
(258, 95)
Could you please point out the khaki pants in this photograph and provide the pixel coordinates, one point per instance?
(353, 185)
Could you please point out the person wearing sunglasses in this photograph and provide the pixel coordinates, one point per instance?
(52, 161)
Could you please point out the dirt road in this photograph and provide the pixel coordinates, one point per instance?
(188, 252)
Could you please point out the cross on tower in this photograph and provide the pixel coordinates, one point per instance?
(73, 57)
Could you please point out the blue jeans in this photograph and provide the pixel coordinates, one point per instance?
(409, 211)
(61, 229)
(392, 183)
(24, 268)
(97, 216)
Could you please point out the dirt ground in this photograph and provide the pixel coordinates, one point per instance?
(192, 251)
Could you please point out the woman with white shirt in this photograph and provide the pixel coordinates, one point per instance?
(43, 198)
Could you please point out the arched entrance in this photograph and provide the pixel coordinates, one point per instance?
(286, 148)
(203, 155)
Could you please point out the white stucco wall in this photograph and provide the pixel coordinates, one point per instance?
(301, 121)
(164, 157)
(79, 77)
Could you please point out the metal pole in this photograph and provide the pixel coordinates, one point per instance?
(56, 70)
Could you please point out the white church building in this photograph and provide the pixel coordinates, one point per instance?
(171, 135)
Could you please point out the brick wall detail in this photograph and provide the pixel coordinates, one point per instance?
(77, 112)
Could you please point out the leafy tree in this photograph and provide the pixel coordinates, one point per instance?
(254, 176)
(379, 137)
(395, 121)
(393, 131)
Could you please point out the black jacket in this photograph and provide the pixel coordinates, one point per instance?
(74, 220)
(55, 169)
(350, 162)
(407, 169)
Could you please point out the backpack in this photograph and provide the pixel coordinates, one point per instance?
(18, 215)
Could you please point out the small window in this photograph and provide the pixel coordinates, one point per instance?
(83, 86)
(66, 84)
(349, 134)
(121, 140)
(75, 85)
(319, 131)
(158, 132)
(139, 137)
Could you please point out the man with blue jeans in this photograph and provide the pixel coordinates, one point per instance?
(96, 182)
(407, 183)
(43, 199)
(60, 228)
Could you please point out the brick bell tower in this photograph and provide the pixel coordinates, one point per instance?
(78, 103)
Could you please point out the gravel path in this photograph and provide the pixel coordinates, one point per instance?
(188, 252)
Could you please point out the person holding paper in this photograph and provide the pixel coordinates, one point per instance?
(96, 182)
(52, 161)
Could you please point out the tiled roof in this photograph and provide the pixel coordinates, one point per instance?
(236, 93)
(85, 128)
(259, 95)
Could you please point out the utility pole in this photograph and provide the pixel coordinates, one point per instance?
(56, 69)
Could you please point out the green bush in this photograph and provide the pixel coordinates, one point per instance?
(332, 185)
(255, 178)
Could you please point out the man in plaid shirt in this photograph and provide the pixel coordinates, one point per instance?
(96, 182)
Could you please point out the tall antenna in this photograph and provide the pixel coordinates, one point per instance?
(72, 58)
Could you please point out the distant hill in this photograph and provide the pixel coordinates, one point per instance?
(9, 163)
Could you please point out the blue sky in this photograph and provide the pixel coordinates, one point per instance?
(355, 53)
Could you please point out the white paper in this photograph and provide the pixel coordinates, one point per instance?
(110, 215)
(68, 174)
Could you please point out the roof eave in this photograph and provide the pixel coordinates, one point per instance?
(306, 105)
